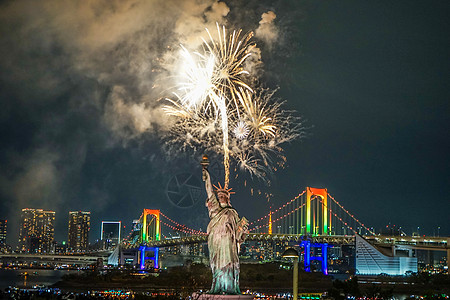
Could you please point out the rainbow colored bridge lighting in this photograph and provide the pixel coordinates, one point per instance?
(314, 229)
(151, 232)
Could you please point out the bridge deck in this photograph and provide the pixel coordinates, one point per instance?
(330, 239)
(431, 243)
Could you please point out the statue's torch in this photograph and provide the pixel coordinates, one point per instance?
(205, 164)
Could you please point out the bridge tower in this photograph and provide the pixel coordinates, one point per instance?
(150, 231)
(151, 226)
(319, 220)
(309, 213)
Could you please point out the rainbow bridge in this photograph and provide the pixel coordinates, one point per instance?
(313, 221)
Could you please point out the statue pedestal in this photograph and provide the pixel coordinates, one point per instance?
(196, 296)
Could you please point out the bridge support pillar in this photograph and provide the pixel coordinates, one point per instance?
(308, 258)
(325, 259)
(153, 255)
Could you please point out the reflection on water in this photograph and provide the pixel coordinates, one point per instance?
(26, 278)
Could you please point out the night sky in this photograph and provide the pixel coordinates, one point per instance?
(81, 126)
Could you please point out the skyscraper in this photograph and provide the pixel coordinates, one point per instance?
(37, 230)
(4, 248)
(79, 227)
(3, 226)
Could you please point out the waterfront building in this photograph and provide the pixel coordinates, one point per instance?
(37, 230)
(3, 227)
(110, 233)
(3, 245)
(370, 261)
(79, 227)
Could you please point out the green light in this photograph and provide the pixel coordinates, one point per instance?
(157, 235)
(144, 229)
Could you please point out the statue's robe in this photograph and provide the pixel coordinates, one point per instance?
(223, 245)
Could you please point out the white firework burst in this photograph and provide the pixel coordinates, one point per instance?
(241, 130)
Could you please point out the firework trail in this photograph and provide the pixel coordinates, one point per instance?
(218, 111)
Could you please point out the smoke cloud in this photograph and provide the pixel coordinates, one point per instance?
(38, 183)
(128, 120)
(80, 79)
(267, 31)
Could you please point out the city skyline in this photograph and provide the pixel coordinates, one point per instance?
(111, 231)
(78, 237)
(82, 130)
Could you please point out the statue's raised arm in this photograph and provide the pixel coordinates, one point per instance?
(206, 177)
(208, 184)
(211, 201)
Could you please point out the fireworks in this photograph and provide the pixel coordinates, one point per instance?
(255, 110)
(241, 130)
(217, 110)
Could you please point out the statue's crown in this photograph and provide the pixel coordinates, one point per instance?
(223, 190)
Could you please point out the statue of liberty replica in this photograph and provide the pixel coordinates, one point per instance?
(226, 232)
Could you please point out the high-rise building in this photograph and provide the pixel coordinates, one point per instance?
(37, 230)
(79, 226)
(3, 226)
(110, 235)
